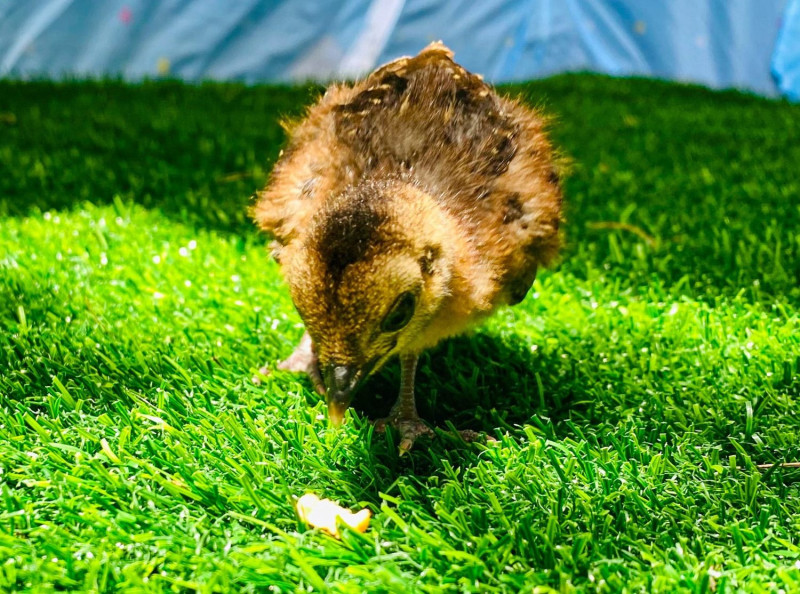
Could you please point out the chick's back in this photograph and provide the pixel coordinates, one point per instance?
(427, 121)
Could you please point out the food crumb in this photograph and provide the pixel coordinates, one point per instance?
(322, 513)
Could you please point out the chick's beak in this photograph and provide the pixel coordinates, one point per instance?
(340, 384)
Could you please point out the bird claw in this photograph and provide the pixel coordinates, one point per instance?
(410, 429)
(262, 373)
(413, 427)
(471, 436)
(302, 360)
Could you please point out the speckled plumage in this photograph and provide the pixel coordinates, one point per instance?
(419, 178)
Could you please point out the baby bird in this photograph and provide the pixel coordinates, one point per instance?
(404, 209)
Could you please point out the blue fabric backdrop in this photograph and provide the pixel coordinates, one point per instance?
(786, 59)
(751, 44)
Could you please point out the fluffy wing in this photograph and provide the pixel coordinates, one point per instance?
(429, 121)
(485, 157)
(425, 116)
(429, 116)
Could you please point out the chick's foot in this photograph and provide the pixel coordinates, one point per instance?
(410, 427)
(403, 415)
(302, 360)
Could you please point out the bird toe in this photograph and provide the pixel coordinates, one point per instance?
(410, 428)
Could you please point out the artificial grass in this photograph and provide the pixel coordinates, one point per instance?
(632, 394)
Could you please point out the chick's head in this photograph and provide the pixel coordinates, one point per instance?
(367, 278)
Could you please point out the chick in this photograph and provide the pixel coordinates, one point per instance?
(404, 209)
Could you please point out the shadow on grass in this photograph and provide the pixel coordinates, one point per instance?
(478, 381)
(484, 382)
(196, 153)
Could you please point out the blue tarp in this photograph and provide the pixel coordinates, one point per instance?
(718, 43)
(786, 60)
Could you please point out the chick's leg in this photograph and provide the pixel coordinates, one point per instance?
(403, 415)
(302, 360)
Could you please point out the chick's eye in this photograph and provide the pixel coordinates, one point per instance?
(400, 314)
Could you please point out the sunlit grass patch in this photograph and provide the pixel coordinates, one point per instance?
(643, 397)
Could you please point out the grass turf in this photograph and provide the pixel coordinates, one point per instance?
(633, 393)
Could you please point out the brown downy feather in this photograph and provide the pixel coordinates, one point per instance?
(419, 177)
